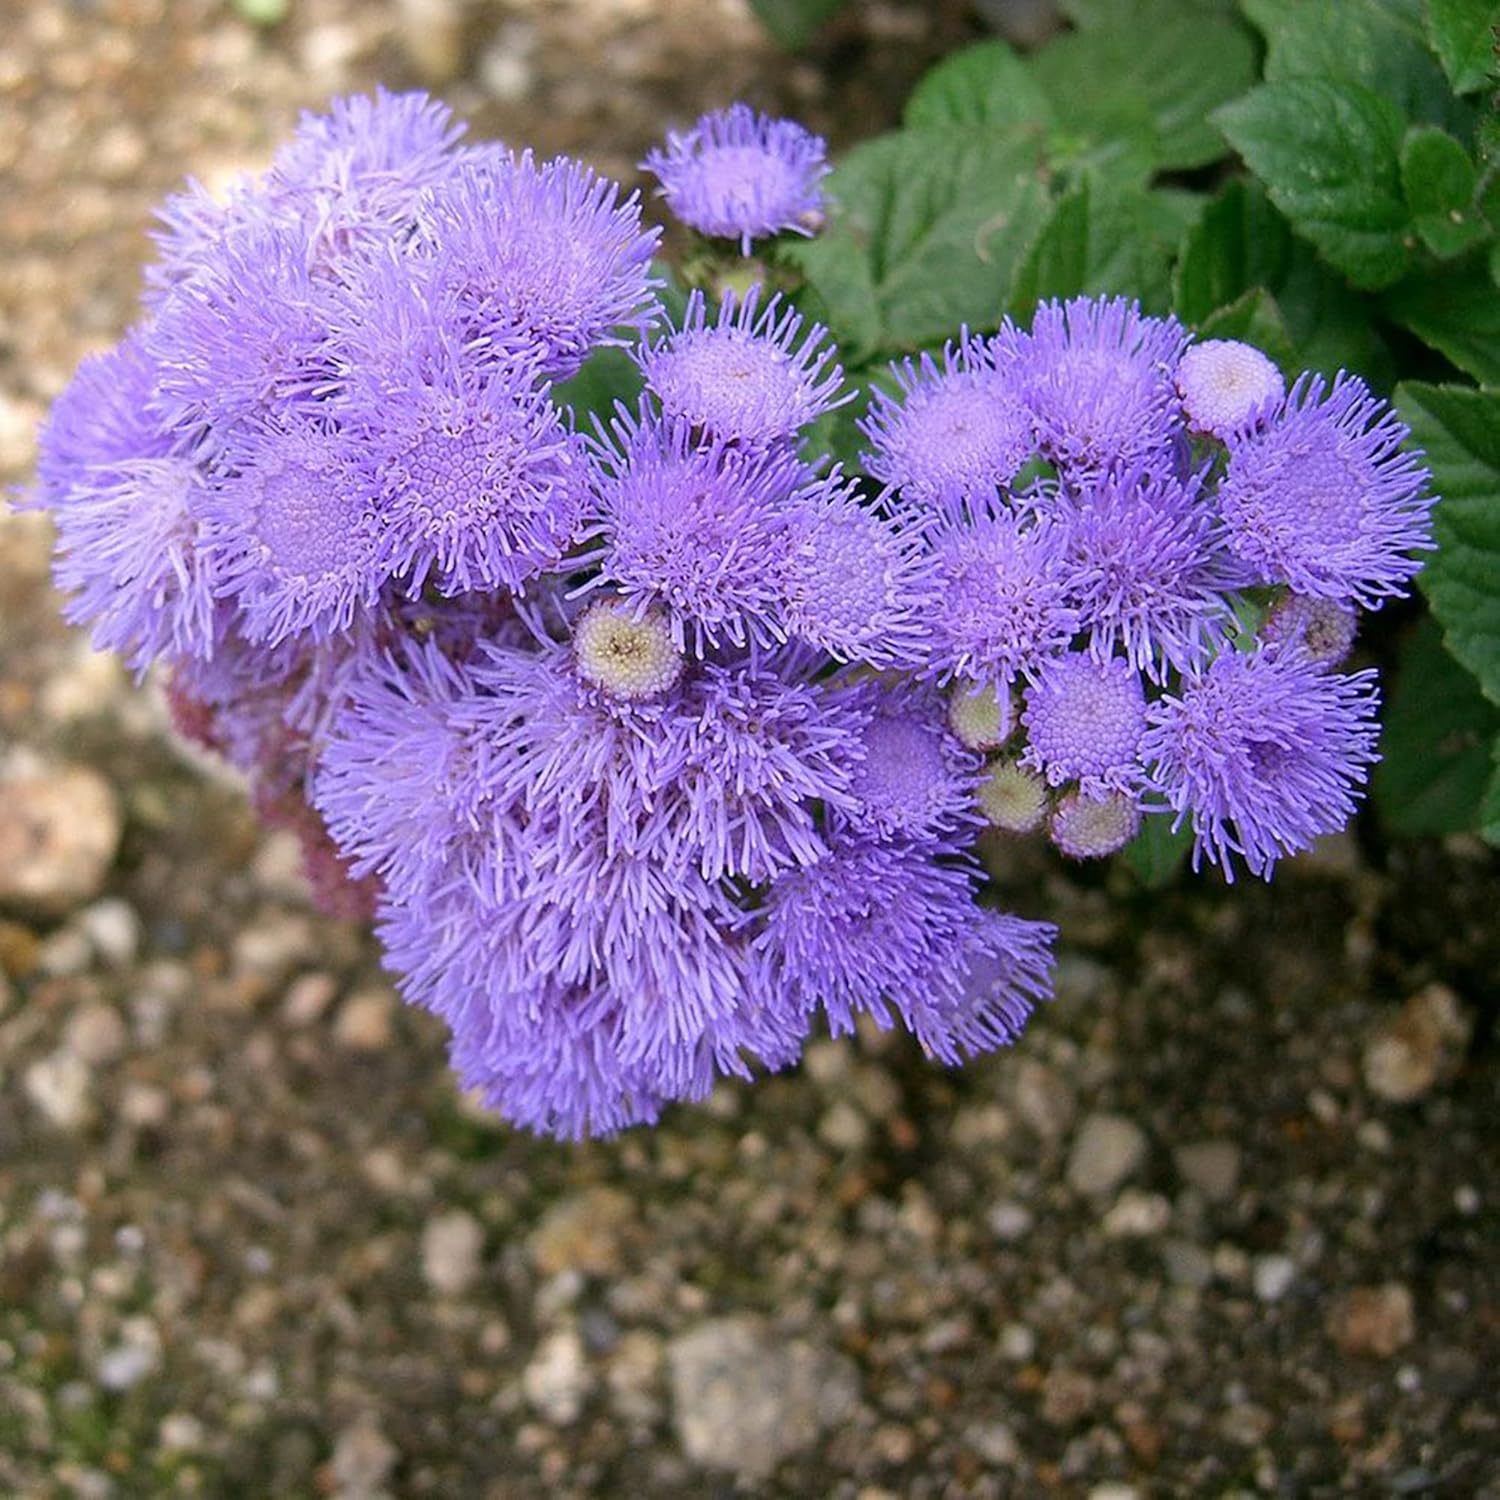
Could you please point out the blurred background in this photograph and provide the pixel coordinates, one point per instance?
(1223, 1224)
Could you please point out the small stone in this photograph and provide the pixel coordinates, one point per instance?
(1136, 1215)
(451, 1246)
(66, 953)
(363, 1458)
(1010, 1222)
(844, 1128)
(994, 1442)
(743, 1399)
(364, 1021)
(1017, 1342)
(1043, 1100)
(1106, 1150)
(1373, 1320)
(272, 945)
(1114, 1489)
(59, 832)
(1423, 1042)
(308, 997)
(1212, 1167)
(129, 1362)
(1067, 1395)
(59, 1086)
(1187, 1264)
(114, 930)
(557, 1379)
(180, 1432)
(96, 1034)
(1273, 1276)
(583, 1232)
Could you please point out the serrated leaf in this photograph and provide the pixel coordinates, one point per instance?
(1455, 309)
(1458, 428)
(1329, 324)
(1376, 43)
(1156, 854)
(1240, 242)
(1162, 62)
(1463, 34)
(1328, 154)
(1097, 242)
(794, 23)
(1436, 742)
(1254, 318)
(985, 85)
(925, 230)
(1438, 180)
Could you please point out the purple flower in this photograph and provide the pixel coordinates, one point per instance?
(1264, 752)
(545, 257)
(1145, 571)
(752, 377)
(1090, 824)
(1323, 497)
(1097, 378)
(950, 433)
(1011, 798)
(697, 528)
(981, 718)
(1003, 605)
(742, 176)
(1084, 720)
(853, 582)
(1322, 630)
(1226, 385)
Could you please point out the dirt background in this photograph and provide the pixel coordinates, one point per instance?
(1223, 1225)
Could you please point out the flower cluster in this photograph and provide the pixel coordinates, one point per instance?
(651, 739)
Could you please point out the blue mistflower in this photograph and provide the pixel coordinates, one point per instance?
(698, 528)
(1264, 752)
(1322, 630)
(753, 376)
(1226, 385)
(1322, 496)
(741, 175)
(1084, 720)
(954, 432)
(1098, 379)
(1146, 570)
(1091, 824)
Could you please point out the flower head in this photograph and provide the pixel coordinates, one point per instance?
(950, 432)
(1225, 384)
(1090, 824)
(981, 718)
(626, 653)
(741, 175)
(1011, 798)
(1322, 496)
(1322, 630)
(1265, 752)
(752, 376)
(1097, 378)
(1084, 720)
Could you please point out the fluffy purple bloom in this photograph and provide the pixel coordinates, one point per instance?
(1097, 377)
(698, 528)
(741, 175)
(1084, 720)
(752, 376)
(1145, 570)
(1225, 385)
(1003, 596)
(949, 432)
(292, 530)
(854, 582)
(1264, 752)
(124, 504)
(1322, 630)
(882, 927)
(1091, 824)
(1322, 497)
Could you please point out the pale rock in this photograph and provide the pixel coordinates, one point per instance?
(96, 1034)
(59, 1086)
(1375, 1321)
(1106, 1150)
(1136, 1215)
(363, 1458)
(451, 1248)
(583, 1232)
(364, 1021)
(59, 832)
(1212, 1167)
(1409, 1052)
(1272, 1277)
(557, 1380)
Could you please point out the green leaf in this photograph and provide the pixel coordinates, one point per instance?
(1089, 13)
(1438, 180)
(1463, 34)
(1158, 62)
(1328, 154)
(1329, 324)
(1098, 242)
(1489, 806)
(1458, 428)
(984, 85)
(1254, 318)
(794, 23)
(608, 375)
(925, 229)
(1156, 854)
(1455, 309)
(1240, 242)
(1437, 743)
(1376, 43)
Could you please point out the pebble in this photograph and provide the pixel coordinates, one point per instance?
(1114, 1490)
(1408, 1053)
(1106, 1150)
(363, 1458)
(843, 1128)
(451, 1247)
(1187, 1264)
(129, 1362)
(1273, 1276)
(308, 996)
(583, 1232)
(1010, 1222)
(1212, 1167)
(557, 1380)
(60, 1086)
(96, 1034)
(743, 1399)
(180, 1432)
(364, 1021)
(994, 1442)
(1135, 1215)
(59, 832)
(1373, 1320)
(1043, 1100)
(114, 930)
